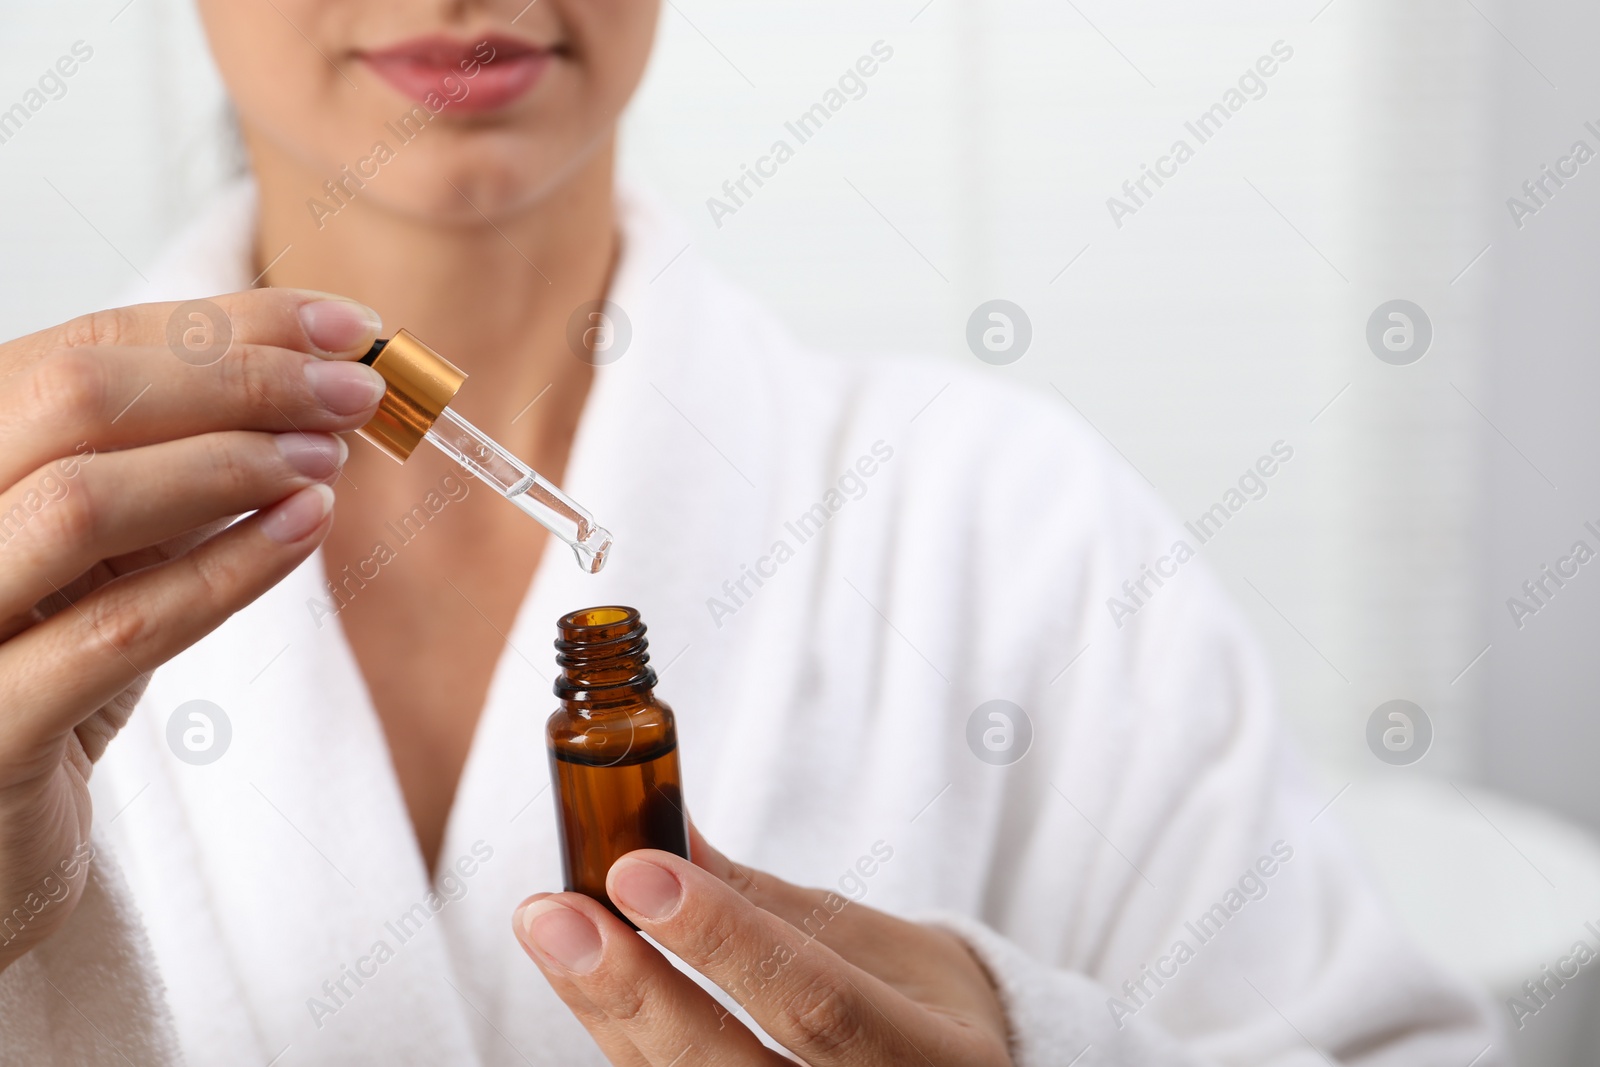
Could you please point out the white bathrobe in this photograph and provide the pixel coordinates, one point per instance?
(839, 561)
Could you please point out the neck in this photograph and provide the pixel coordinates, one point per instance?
(493, 297)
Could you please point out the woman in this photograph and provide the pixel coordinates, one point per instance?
(328, 859)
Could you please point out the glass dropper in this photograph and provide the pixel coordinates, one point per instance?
(416, 408)
(523, 486)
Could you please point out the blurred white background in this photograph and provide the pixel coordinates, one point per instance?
(1227, 313)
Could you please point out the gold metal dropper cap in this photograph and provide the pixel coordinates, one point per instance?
(421, 384)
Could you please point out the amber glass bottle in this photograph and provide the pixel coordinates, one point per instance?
(613, 750)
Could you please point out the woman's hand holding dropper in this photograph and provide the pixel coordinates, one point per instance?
(122, 459)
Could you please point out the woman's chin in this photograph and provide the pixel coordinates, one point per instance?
(460, 195)
(470, 183)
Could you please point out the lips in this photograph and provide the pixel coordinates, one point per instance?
(473, 77)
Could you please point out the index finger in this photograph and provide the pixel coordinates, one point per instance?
(201, 331)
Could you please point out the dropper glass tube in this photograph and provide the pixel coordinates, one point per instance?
(415, 408)
(523, 486)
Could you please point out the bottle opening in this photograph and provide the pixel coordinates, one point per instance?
(591, 617)
(600, 649)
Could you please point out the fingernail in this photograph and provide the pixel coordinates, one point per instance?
(562, 934)
(315, 455)
(290, 520)
(344, 388)
(643, 888)
(340, 325)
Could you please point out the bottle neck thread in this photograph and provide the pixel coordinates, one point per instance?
(604, 656)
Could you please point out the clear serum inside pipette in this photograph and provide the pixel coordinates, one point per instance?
(523, 486)
(416, 408)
